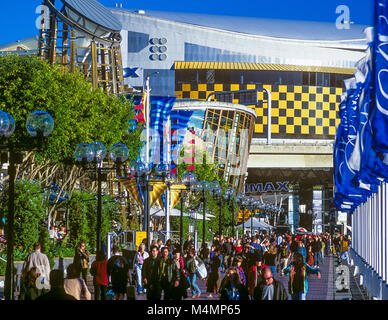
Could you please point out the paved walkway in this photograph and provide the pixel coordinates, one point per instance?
(319, 289)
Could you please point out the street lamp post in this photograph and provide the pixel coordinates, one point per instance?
(240, 201)
(190, 181)
(203, 186)
(39, 124)
(228, 196)
(216, 192)
(95, 154)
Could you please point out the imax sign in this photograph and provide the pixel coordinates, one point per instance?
(267, 187)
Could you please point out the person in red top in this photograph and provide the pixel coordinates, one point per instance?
(310, 256)
(255, 275)
(238, 247)
(100, 276)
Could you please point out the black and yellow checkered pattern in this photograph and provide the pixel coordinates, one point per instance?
(296, 110)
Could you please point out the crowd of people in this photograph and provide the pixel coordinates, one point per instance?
(234, 269)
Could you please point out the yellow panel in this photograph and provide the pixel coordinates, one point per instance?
(298, 89)
(234, 87)
(338, 91)
(218, 87)
(333, 98)
(312, 122)
(319, 114)
(282, 121)
(282, 88)
(202, 87)
(186, 87)
(305, 113)
(312, 89)
(326, 90)
(290, 113)
(275, 112)
(259, 128)
(275, 95)
(260, 66)
(326, 122)
(290, 129)
(179, 94)
(326, 106)
(305, 97)
(259, 112)
(337, 122)
(297, 121)
(290, 96)
(251, 86)
(194, 95)
(260, 96)
(312, 105)
(275, 128)
(332, 114)
(305, 130)
(318, 130)
(265, 120)
(236, 101)
(319, 97)
(332, 131)
(208, 92)
(282, 104)
(297, 104)
(268, 86)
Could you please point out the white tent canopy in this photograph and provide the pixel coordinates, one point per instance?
(157, 212)
(256, 224)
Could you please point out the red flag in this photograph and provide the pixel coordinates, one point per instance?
(191, 168)
(173, 171)
(139, 107)
(140, 118)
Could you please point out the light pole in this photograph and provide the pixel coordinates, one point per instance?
(39, 124)
(216, 192)
(95, 154)
(228, 196)
(203, 187)
(240, 202)
(190, 181)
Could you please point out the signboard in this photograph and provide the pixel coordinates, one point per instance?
(140, 236)
(342, 216)
(267, 187)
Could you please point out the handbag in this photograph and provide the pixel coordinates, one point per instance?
(201, 271)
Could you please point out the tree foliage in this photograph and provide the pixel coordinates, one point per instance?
(81, 114)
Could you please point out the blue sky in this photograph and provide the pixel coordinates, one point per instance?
(18, 22)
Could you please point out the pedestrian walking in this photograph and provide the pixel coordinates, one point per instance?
(231, 287)
(81, 260)
(255, 275)
(302, 250)
(57, 291)
(191, 267)
(38, 260)
(284, 255)
(140, 256)
(270, 288)
(117, 269)
(100, 276)
(298, 271)
(166, 276)
(29, 290)
(237, 264)
(344, 244)
(181, 291)
(214, 282)
(149, 279)
(74, 285)
(270, 258)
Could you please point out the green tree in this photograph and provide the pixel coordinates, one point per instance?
(30, 213)
(81, 114)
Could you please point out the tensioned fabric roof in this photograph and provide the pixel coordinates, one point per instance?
(195, 65)
(96, 12)
(273, 28)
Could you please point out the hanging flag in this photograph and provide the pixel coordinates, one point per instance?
(160, 112)
(380, 115)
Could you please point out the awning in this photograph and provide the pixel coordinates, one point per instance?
(157, 212)
(195, 65)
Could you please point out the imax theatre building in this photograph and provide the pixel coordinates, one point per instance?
(299, 66)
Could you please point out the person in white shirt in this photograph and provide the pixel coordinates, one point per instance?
(138, 261)
(38, 260)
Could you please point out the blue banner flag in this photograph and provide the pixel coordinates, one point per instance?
(380, 116)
